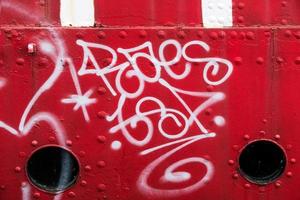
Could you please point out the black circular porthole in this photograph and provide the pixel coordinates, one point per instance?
(52, 169)
(262, 161)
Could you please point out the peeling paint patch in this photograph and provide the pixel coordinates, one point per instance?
(77, 13)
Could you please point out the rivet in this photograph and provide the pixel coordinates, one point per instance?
(43, 62)
(123, 34)
(79, 35)
(279, 60)
(235, 147)
(283, 3)
(262, 133)
(241, 5)
(284, 21)
(210, 6)
(22, 154)
(51, 139)
(42, 3)
(82, 153)
(264, 121)
(142, 34)
(297, 61)
(14, 33)
(200, 34)
(220, 6)
(36, 195)
(169, 23)
(7, 30)
(101, 90)
(222, 34)
(212, 19)
(289, 174)
(2, 187)
(20, 61)
(69, 142)
(102, 114)
(262, 189)
(297, 34)
(71, 194)
(260, 60)
(293, 160)
(101, 35)
(18, 169)
(104, 197)
(235, 175)
(247, 185)
(231, 162)
(278, 184)
(289, 147)
(246, 137)
(208, 111)
(87, 168)
(210, 88)
(107, 61)
(83, 183)
(267, 34)
(242, 35)
(101, 138)
(241, 19)
(181, 34)
(213, 35)
(233, 34)
(31, 48)
(277, 137)
(288, 33)
(250, 35)
(101, 187)
(238, 60)
(77, 137)
(101, 164)
(34, 143)
(161, 34)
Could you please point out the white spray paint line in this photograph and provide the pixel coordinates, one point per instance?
(77, 13)
(25, 188)
(8, 128)
(58, 196)
(217, 13)
(2, 82)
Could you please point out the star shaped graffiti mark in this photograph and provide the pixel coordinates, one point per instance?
(81, 101)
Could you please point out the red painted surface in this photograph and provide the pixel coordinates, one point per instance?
(260, 100)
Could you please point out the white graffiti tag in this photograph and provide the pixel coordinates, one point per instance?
(158, 118)
(183, 119)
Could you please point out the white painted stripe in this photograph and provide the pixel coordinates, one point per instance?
(77, 13)
(217, 13)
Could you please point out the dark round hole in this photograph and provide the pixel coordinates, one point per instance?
(262, 161)
(52, 169)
